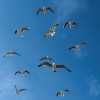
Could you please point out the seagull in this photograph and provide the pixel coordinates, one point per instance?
(77, 46)
(22, 72)
(62, 92)
(19, 91)
(11, 53)
(54, 66)
(21, 30)
(70, 24)
(44, 10)
(46, 58)
(52, 31)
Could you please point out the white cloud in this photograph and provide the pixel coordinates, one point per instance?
(94, 88)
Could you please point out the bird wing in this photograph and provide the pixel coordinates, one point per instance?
(45, 64)
(39, 10)
(21, 90)
(8, 54)
(26, 71)
(23, 29)
(18, 72)
(71, 47)
(66, 90)
(66, 24)
(46, 58)
(15, 31)
(57, 93)
(16, 53)
(18, 31)
(50, 9)
(53, 27)
(11, 53)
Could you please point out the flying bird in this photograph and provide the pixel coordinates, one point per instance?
(70, 24)
(19, 31)
(54, 66)
(44, 10)
(19, 91)
(52, 31)
(62, 92)
(11, 53)
(22, 72)
(77, 46)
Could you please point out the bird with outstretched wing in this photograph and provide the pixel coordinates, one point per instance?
(11, 53)
(63, 92)
(19, 91)
(52, 31)
(44, 10)
(77, 46)
(22, 72)
(19, 31)
(70, 24)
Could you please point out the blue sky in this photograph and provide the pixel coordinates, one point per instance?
(42, 84)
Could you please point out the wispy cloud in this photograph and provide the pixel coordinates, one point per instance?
(65, 8)
(94, 87)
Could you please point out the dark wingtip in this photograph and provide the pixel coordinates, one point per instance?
(69, 48)
(54, 71)
(69, 70)
(39, 65)
(15, 31)
(64, 26)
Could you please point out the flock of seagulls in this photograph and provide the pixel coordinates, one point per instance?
(46, 61)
